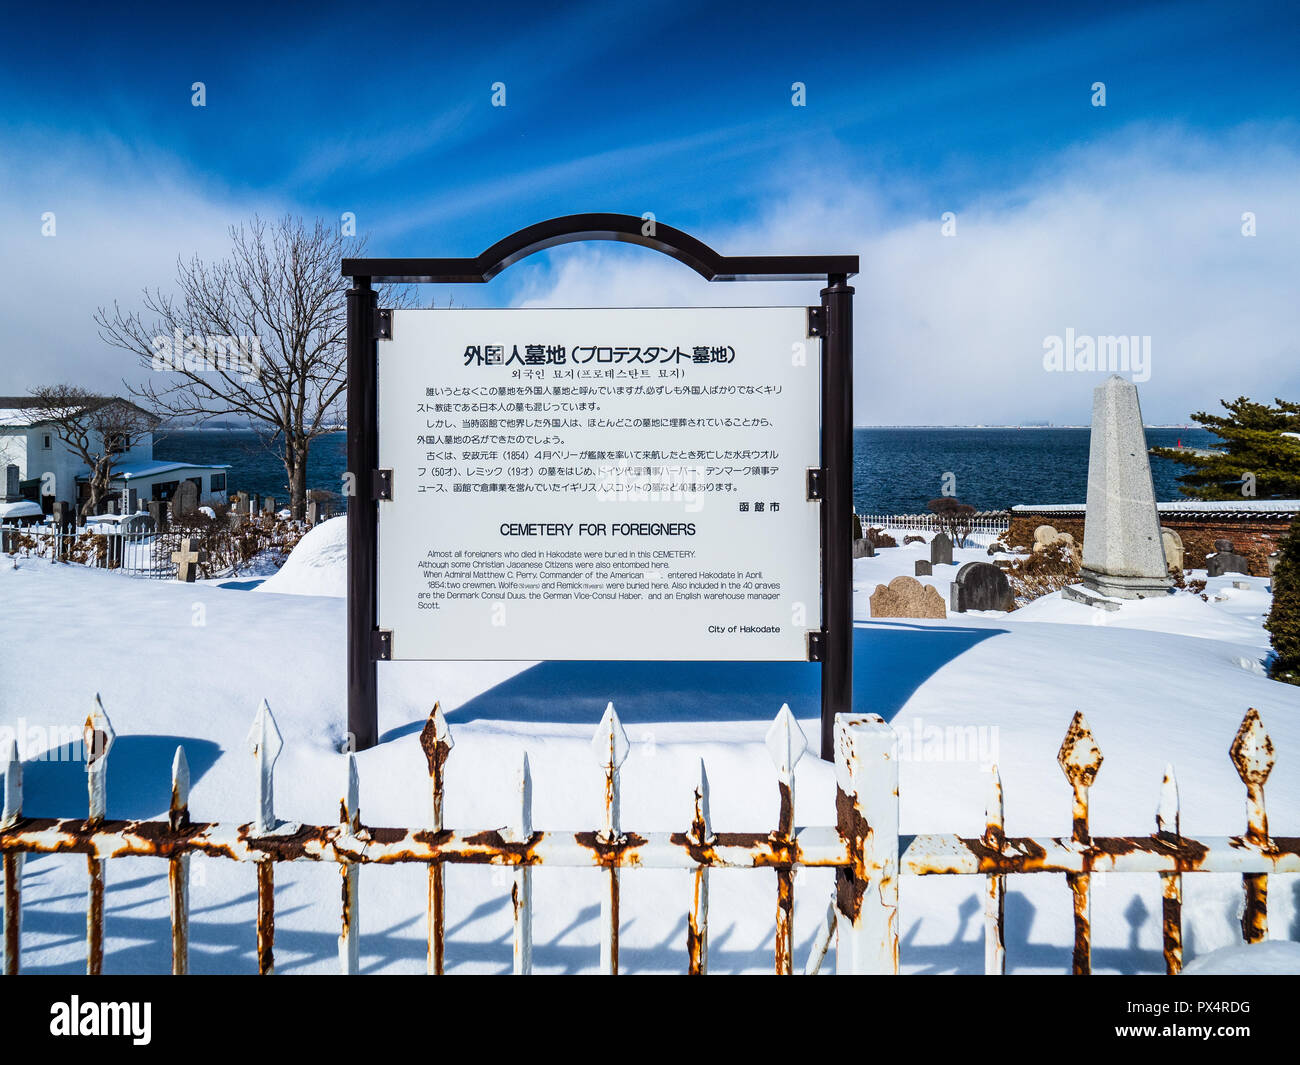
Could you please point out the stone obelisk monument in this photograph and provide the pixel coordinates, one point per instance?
(1123, 553)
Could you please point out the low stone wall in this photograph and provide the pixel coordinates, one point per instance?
(1255, 537)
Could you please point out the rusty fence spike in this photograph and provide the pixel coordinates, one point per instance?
(1168, 830)
(995, 950)
(1080, 759)
(350, 872)
(610, 745)
(98, 736)
(178, 866)
(436, 741)
(785, 744)
(1252, 754)
(265, 744)
(11, 943)
(697, 920)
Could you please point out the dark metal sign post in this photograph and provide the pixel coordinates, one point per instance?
(832, 321)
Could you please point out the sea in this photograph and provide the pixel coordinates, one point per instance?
(895, 470)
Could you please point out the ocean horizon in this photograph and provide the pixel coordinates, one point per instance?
(896, 469)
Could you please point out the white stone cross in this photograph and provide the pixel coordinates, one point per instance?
(187, 560)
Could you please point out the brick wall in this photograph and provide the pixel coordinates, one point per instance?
(1255, 538)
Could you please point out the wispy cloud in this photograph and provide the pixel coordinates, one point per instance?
(1136, 235)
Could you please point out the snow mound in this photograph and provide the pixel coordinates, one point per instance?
(1271, 958)
(317, 566)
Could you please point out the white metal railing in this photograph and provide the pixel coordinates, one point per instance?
(986, 526)
(864, 847)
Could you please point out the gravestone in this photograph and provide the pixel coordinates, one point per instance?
(240, 505)
(863, 549)
(185, 500)
(981, 586)
(313, 512)
(924, 568)
(112, 506)
(1045, 534)
(1173, 549)
(1123, 555)
(63, 515)
(941, 550)
(1226, 562)
(187, 560)
(268, 506)
(137, 523)
(255, 505)
(906, 597)
(11, 484)
(158, 512)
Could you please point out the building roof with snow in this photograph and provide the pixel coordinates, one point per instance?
(126, 471)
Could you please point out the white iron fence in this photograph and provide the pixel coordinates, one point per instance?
(986, 525)
(136, 554)
(863, 847)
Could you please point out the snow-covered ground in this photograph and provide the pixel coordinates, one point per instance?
(187, 664)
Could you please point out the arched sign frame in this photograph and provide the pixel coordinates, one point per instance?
(832, 321)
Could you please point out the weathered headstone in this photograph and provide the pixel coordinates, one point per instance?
(1173, 544)
(313, 512)
(187, 560)
(924, 568)
(240, 505)
(981, 586)
(863, 549)
(185, 500)
(110, 506)
(1045, 534)
(11, 483)
(158, 512)
(1226, 562)
(1123, 555)
(268, 506)
(63, 515)
(906, 597)
(255, 505)
(137, 523)
(941, 550)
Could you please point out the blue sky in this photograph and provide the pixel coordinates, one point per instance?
(674, 108)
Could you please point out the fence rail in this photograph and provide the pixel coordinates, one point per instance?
(863, 847)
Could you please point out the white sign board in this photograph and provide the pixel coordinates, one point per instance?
(599, 484)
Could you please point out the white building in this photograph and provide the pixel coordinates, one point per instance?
(37, 465)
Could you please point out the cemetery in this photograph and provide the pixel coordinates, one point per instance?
(978, 675)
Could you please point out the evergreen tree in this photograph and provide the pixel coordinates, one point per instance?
(1283, 621)
(1251, 443)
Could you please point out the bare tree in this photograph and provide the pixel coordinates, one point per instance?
(260, 334)
(955, 518)
(96, 428)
